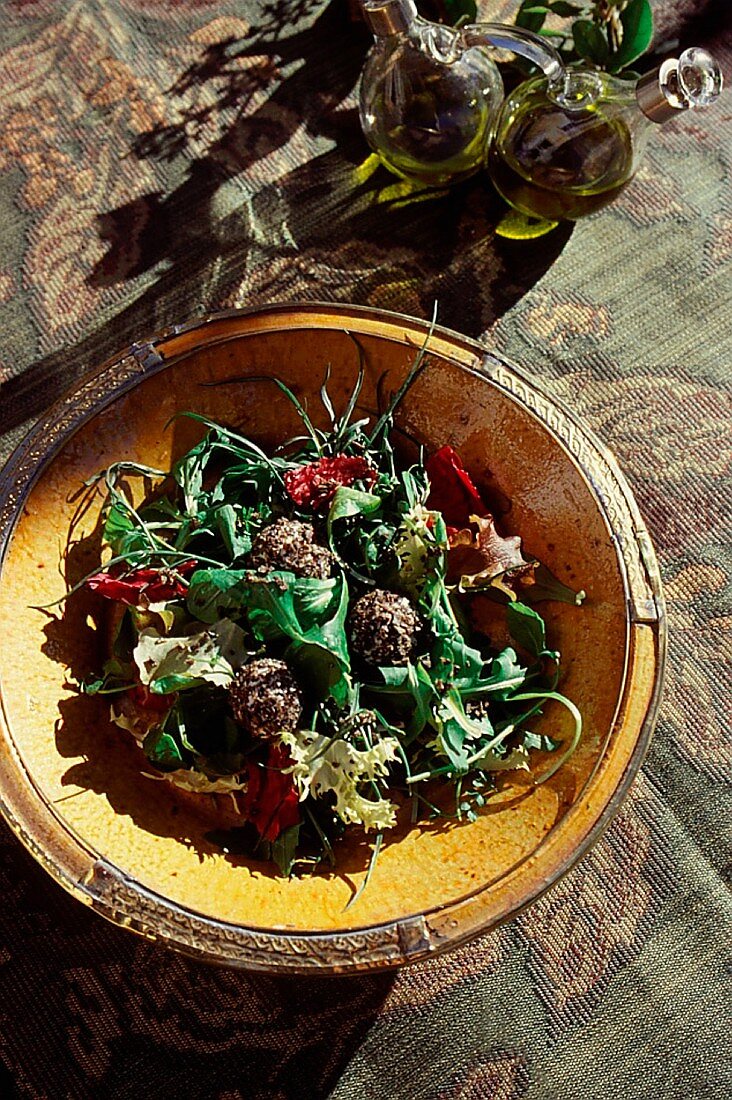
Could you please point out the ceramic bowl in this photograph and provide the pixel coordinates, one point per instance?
(137, 851)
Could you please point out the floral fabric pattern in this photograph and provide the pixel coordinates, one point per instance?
(165, 158)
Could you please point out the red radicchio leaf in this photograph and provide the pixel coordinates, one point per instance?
(315, 484)
(452, 491)
(150, 700)
(141, 587)
(271, 801)
(478, 559)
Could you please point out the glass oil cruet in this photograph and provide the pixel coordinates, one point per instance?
(430, 94)
(428, 106)
(568, 140)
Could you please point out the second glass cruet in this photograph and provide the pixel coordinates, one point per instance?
(567, 144)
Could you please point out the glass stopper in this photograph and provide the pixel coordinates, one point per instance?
(700, 77)
(692, 81)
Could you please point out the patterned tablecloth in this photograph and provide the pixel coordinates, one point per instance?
(161, 158)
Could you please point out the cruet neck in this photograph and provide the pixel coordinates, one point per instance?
(386, 18)
(689, 82)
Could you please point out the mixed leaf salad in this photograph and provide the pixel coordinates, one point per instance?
(294, 632)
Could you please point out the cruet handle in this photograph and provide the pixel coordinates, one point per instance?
(526, 44)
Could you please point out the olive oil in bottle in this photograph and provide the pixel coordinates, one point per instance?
(428, 103)
(559, 171)
(567, 144)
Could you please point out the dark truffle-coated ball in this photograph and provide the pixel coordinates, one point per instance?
(384, 628)
(265, 698)
(289, 544)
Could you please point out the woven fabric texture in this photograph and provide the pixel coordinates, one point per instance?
(163, 158)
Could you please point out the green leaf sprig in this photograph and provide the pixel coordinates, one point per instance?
(609, 34)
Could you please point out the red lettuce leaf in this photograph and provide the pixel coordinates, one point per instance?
(315, 484)
(478, 558)
(271, 801)
(452, 491)
(141, 587)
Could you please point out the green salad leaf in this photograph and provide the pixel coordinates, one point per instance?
(167, 664)
(212, 592)
(526, 627)
(348, 503)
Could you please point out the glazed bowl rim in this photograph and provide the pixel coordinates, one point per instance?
(404, 939)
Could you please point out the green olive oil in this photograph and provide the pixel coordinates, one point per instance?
(560, 165)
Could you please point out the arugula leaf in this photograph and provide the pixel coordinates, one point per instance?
(188, 472)
(322, 670)
(161, 750)
(305, 609)
(283, 849)
(546, 587)
(411, 683)
(490, 761)
(118, 526)
(452, 731)
(541, 697)
(117, 675)
(539, 741)
(244, 840)
(527, 628)
(312, 614)
(453, 659)
(350, 502)
(201, 723)
(237, 543)
(504, 677)
(212, 591)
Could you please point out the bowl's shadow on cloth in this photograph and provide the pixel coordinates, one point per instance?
(158, 1024)
(334, 226)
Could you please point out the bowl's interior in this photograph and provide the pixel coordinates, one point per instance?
(90, 772)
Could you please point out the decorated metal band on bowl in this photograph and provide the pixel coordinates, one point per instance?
(295, 632)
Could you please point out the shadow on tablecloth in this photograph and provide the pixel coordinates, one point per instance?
(269, 193)
(123, 1018)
